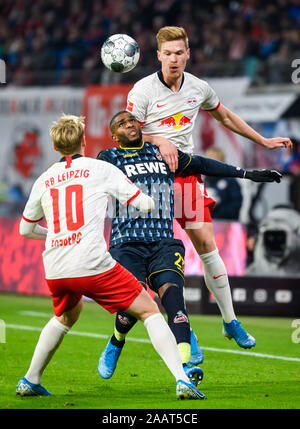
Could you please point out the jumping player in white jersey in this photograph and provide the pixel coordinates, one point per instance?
(166, 104)
(72, 195)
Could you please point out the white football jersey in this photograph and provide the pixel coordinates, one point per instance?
(72, 195)
(169, 114)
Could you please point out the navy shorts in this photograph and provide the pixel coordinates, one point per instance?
(153, 263)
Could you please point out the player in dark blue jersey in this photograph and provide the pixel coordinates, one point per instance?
(145, 244)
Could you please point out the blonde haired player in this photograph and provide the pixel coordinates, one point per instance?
(166, 104)
(72, 196)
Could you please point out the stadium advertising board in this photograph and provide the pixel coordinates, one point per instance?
(21, 268)
(251, 295)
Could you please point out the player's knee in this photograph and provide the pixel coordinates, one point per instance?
(207, 245)
(162, 290)
(143, 306)
(149, 311)
(149, 308)
(69, 318)
(203, 239)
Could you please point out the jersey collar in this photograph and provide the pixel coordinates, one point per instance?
(128, 148)
(161, 78)
(63, 159)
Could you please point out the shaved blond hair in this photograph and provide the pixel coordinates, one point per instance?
(67, 133)
(168, 34)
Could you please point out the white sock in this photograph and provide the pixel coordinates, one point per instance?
(216, 279)
(50, 339)
(165, 344)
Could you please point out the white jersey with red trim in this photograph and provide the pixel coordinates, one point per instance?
(72, 195)
(163, 112)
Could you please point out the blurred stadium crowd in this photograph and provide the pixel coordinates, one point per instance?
(57, 42)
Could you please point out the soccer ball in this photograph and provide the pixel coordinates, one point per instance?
(120, 53)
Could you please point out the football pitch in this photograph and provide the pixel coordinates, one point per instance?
(266, 377)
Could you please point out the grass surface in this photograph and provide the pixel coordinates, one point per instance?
(232, 380)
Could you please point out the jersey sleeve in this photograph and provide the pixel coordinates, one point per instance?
(33, 211)
(183, 162)
(119, 186)
(211, 101)
(211, 167)
(137, 103)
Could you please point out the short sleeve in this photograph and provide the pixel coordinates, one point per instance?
(137, 103)
(33, 211)
(211, 100)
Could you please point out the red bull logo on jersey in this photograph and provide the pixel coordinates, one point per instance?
(176, 121)
(192, 101)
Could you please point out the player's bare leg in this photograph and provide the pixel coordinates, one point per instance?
(49, 341)
(215, 273)
(69, 318)
(216, 280)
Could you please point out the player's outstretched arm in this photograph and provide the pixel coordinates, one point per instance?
(234, 123)
(32, 230)
(211, 167)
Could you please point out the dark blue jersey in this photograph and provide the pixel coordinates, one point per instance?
(148, 170)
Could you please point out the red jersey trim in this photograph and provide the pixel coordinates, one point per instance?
(141, 123)
(32, 221)
(68, 161)
(215, 108)
(133, 197)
